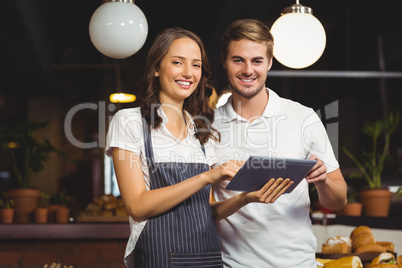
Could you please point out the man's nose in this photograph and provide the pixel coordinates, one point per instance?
(247, 70)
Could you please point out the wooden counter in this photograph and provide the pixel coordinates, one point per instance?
(121, 230)
(65, 231)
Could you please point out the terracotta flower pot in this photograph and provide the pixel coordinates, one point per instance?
(376, 202)
(6, 215)
(25, 202)
(51, 216)
(41, 215)
(62, 215)
(353, 209)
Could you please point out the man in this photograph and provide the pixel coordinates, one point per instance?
(256, 121)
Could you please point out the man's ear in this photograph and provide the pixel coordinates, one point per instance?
(270, 64)
(223, 61)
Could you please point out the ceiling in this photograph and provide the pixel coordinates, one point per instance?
(46, 49)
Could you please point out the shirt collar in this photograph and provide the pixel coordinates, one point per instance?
(271, 109)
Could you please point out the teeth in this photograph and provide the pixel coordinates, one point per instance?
(248, 80)
(183, 83)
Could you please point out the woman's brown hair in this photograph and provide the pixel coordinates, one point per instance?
(196, 104)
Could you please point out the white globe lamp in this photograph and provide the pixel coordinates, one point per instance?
(299, 37)
(118, 28)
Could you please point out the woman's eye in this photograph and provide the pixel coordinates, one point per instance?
(177, 62)
(197, 65)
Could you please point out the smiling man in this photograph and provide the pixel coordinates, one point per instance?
(256, 121)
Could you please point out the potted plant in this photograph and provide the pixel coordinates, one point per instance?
(371, 165)
(41, 212)
(6, 209)
(62, 212)
(25, 155)
(353, 206)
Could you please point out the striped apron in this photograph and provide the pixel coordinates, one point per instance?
(186, 235)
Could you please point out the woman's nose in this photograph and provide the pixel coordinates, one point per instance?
(187, 71)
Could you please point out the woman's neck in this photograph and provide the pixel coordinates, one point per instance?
(176, 124)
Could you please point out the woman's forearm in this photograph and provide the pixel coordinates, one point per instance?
(155, 202)
(223, 209)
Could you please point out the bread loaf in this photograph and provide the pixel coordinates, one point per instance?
(361, 239)
(373, 247)
(358, 230)
(389, 246)
(345, 262)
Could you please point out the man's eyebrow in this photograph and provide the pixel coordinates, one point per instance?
(241, 58)
(258, 58)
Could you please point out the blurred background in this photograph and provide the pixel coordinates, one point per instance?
(49, 67)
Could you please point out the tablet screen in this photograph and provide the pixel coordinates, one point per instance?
(259, 170)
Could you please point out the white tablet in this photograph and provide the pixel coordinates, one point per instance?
(259, 170)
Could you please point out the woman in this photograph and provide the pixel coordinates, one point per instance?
(162, 154)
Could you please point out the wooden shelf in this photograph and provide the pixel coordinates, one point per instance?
(373, 222)
(65, 231)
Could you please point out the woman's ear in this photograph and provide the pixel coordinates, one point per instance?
(156, 74)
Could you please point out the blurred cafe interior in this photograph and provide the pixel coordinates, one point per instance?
(55, 78)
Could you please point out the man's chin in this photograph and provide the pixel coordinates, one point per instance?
(247, 92)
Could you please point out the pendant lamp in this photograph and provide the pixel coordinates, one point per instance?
(118, 28)
(299, 37)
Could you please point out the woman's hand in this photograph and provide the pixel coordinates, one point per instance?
(270, 192)
(226, 171)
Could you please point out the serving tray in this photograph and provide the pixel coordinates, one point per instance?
(364, 257)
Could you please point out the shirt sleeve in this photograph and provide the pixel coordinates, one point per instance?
(125, 132)
(210, 153)
(316, 142)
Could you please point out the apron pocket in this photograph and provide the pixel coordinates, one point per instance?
(208, 260)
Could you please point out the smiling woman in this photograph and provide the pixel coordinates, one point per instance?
(179, 73)
(162, 162)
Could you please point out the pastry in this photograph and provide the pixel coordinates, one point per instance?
(121, 211)
(323, 261)
(345, 262)
(389, 246)
(383, 258)
(361, 239)
(337, 244)
(373, 247)
(358, 230)
(107, 213)
(384, 265)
